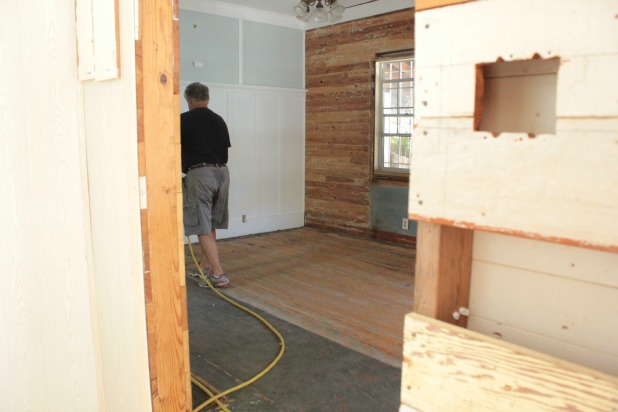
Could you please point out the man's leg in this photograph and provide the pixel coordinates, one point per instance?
(208, 244)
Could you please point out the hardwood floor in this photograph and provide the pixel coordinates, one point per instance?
(350, 290)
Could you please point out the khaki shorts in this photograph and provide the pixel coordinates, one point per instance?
(204, 196)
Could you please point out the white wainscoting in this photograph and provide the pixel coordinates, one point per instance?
(267, 157)
(553, 298)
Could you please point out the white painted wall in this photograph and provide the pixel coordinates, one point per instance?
(267, 156)
(72, 327)
(48, 351)
(557, 299)
(110, 129)
(264, 110)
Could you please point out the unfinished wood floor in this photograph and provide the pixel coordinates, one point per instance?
(350, 290)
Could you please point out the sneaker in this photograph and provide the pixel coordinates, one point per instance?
(219, 281)
(195, 273)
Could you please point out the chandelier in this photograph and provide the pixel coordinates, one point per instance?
(314, 11)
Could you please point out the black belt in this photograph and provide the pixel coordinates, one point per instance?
(205, 165)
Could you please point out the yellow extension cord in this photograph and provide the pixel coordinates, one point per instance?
(216, 398)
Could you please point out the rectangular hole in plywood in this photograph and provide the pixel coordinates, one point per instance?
(517, 96)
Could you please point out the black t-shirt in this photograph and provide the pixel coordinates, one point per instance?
(204, 137)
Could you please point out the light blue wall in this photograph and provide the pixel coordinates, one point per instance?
(272, 56)
(213, 41)
(389, 205)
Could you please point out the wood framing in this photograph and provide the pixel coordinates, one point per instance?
(159, 165)
(443, 266)
(451, 368)
(431, 4)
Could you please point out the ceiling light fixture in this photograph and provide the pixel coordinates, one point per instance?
(314, 11)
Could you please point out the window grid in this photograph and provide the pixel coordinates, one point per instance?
(395, 106)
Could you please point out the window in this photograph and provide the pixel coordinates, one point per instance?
(394, 115)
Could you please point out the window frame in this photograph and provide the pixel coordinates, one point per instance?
(379, 170)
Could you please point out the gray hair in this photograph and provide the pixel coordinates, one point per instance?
(197, 92)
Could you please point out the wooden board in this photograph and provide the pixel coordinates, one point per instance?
(158, 127)
(442, 282)
(561, 187)
(450, 368)
(511, 283)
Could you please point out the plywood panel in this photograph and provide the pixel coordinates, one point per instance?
(450, 368)
(48, 326)
(579, 264)
(515, 279)
(513, 184)
(521, 35)
(516, 184)
(572, 311)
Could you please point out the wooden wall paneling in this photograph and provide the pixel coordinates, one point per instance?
(242, 154)
(450, 368)
(508, 41)
(158, 106)
(511, 280)
(443, 267)
(267, 136)
(268, 165)
(48, 323)
(292, 152)
(339, 115)
(481, 192)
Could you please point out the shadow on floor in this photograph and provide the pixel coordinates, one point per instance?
(229, 346)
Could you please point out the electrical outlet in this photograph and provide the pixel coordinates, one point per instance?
(244, 218)
(404, 223)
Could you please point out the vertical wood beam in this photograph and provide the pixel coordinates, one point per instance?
(158, 143)
(443, 267)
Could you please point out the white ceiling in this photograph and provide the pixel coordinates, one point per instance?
(283, 9)
(285, 6)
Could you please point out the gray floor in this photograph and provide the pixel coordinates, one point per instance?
(228, 346)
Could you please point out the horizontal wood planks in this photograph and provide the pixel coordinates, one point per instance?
(557, 186)
(351, 290)
(450, 368)
(553, 298)
(340, 114)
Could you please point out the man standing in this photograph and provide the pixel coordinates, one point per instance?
(205, 140)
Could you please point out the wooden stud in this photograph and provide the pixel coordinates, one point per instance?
(443, 267)
(158, 131)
